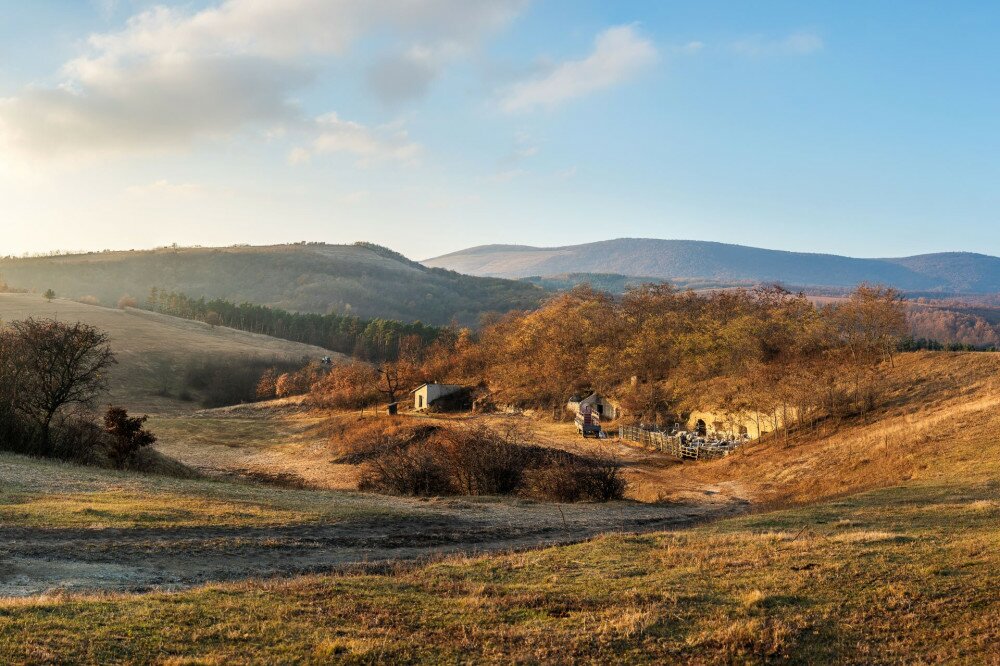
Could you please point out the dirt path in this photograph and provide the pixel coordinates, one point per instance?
(36, 561)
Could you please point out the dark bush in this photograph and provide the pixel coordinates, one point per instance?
(401, 459)
(15, 433)
(78, 439)
(571, 478)
(417, 470)
(126, 436)
(486, 462)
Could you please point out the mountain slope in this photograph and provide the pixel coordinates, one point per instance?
(362, 279)
(730, 264)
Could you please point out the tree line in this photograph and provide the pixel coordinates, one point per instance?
(759, 353)
(365, 339)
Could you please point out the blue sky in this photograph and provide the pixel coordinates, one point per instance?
(857, 128)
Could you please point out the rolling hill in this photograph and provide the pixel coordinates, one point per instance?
(153, 350)
(362, 279)
(719, 263)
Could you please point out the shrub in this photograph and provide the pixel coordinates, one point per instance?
(127, 301)
(572, 478)
(299, 382)
(417, 470)
(347, 386)
(126, 435)
(486, 462)
(403, 459)
(78, 439)
(367, 439)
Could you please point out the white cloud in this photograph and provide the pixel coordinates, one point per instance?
(619, 53)
(797, 43)
(159, 104)
(171, 77)
(389, 143)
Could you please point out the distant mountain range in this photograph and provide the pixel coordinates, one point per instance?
(361, 279)
(714, 264)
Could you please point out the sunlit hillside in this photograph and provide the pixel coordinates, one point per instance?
(155, 350)
(363, 280)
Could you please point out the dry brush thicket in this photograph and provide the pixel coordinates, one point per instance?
(400, 457)
(660, 352)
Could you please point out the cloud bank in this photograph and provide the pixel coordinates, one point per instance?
(171, 77)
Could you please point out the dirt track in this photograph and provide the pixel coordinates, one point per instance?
(36, 560)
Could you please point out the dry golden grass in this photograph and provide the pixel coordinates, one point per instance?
(146, 343)
(48, 494)
(889, 552)
(900, 575)
(940, 425)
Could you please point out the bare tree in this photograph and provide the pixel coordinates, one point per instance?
(392, 379)
(59, 365)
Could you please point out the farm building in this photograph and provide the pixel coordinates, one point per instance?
(425, 395)
(602, 406)
(753, 425)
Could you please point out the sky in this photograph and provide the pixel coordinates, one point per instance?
(848, 127)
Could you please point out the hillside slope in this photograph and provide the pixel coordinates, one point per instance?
(937, 425)
(362, 280)
(152, 349)
(729, 264)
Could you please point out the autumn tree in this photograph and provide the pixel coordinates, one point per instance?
(348, 385)
(868, 327)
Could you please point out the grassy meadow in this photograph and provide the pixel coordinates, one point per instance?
(899, 575)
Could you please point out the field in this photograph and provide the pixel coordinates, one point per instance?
(870, 540)
(901, 575)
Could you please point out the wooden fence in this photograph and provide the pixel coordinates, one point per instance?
(669, 444)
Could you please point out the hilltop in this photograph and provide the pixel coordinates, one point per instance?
(720, 263)
(362, 279)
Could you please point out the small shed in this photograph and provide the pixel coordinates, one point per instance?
(601, 405)
(425, 395)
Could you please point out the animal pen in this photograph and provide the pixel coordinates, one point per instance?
(676, 445)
